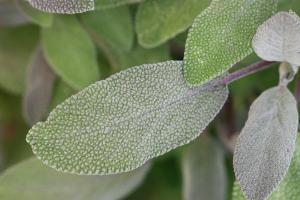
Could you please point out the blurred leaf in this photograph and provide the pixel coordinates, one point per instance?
(40, 80)
(288, 188)
(116, 125)
(113, 25)
(40, 18)
(104, 4)
(204, 174)
(157, 21)
(63, 6)
(32, 180)
(266, 144)
(16, 45)
(70, 52)
(221, 36)
(290, 4)
(10, 15)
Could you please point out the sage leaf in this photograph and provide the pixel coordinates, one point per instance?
(118, 124)
(40, 80)
(204, 173)
(266, 144)
(47, 184)
(158, 21)
(288, 188)
(118, 33)
(63, 6)
(278, 39)
(38, 17)
(221, 36)
(70, 52)
(105, 4)
(10, 16)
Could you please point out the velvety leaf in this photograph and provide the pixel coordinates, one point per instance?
(278, 39)
(266, 144)
(32, 180)
(70, 52)
(157, 20)
(288, 188)
(63, 6)
(204, 174)
(104, 4)
(16, 46)
(40, 80)
(10, 15)
(116, 125)
(114, 26)
(38, 17)
(221, 36)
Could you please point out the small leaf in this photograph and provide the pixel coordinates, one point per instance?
(204, 174)
(63, 6)
(158, 21)
(288, 188)
(116, 125)
(266, 144)
(40, 18)
(114, 26)
(105, 4)
(10, 16)
(32, 180)
(278, 39)
(70, 52)
(40, 80)
(221, 36)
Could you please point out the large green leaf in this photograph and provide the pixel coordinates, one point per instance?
(204, 174)
(288, 188)
(266, 144)
(113, 26)
(104, 4)
(157, 20)
(116, 125)
(221, 36)
(31, 180)
(70, 52)
(16, 46)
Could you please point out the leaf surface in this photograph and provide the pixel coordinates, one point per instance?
(117, 124)
(105, 4)
(11, 16)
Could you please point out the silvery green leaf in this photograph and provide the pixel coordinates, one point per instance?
(40, 80)
(30, 180)
(221, 36)
(158, 21)
(266, 144)
(278, 39)
(63, 6)
(288, 188)
(10, 16)
(105, 4)
(118, 124)
(204, 173)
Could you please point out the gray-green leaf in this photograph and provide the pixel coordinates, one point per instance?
(11, 16)
(221, 36)
(32, 180)
(158, 21)
(204, 174)
(117, 124)
(70, 52)
(266, 144)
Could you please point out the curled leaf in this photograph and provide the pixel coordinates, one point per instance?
(118, 124)
(266, 144)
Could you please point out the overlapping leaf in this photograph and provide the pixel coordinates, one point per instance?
(31, 180)
(116, 125)
(157, 21)
(70, 52)
(104, 4)
(266, 144)
(204, 174)
(10, 15)
(221, 36)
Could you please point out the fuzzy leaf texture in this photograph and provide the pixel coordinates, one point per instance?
(266, 144)
(63, 6)
(288, 188)
(221, 36)
(204, 173)
(278, 39)
(118, 124)
(157, 21)
(31, 180)
(70, 52)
